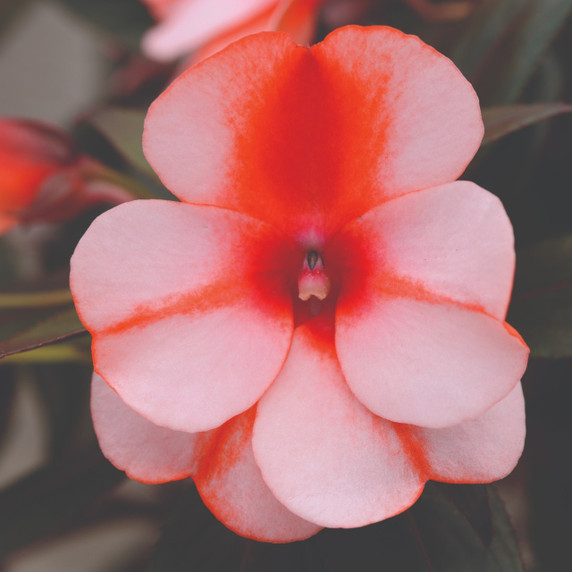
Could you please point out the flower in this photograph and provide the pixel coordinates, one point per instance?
(317, 329)
(210, 25)
(42, 178)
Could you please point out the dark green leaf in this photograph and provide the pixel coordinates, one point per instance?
(451, 541)
(547, 462)
(541, 307)
(123, 128)
(451, 528)
(125, 19)
(64, 391)
(7, 394)
(504, 42)
(485, 28)
(194, 540)
(388, 545)
(472, 501)
(505, 119)
(51, 498)
(8, 265)
(24, 329)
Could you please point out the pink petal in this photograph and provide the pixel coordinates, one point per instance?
(160, 8)
(483, 449)
(413, 359)
(297, 17)
(143, 450)
(379, 114)
(190, 317)
(190, 23)
(199, 133)
(260, 23)
(413, 120)
(454, 241)
(323, 455)
(230, 483)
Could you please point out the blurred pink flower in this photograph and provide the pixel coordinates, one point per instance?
(42, 178)
(317, 329)
(207, 26)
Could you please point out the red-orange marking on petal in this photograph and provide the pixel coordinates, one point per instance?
(291, 149)
(209, 298)
(398, 287)
(414, 448)
(215, 457)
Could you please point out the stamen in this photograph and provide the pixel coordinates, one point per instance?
(312, 280)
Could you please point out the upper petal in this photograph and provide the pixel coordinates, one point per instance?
(191, 317)
(323, 455)
(189, 23)
(231, 485)
(146, 452)
(455, 241)
(412, 120)
(314, 137)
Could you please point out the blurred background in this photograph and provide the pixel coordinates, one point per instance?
(78, 65)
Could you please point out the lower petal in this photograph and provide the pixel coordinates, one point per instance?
(231, 485)
(428, 364)
(146, 452)
(323, 455)
(194, 372)
(481, 450)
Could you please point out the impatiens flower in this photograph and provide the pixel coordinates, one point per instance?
(209, 25)
(317, 329)
(42, 178)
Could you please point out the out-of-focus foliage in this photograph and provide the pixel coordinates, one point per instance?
(124, 130)
(124, 19)
(31, 318)
(49, 499)
(542, 301)
(450, 529)
(502, 44)
(504, 119)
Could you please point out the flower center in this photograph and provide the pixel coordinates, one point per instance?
(312, 280)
